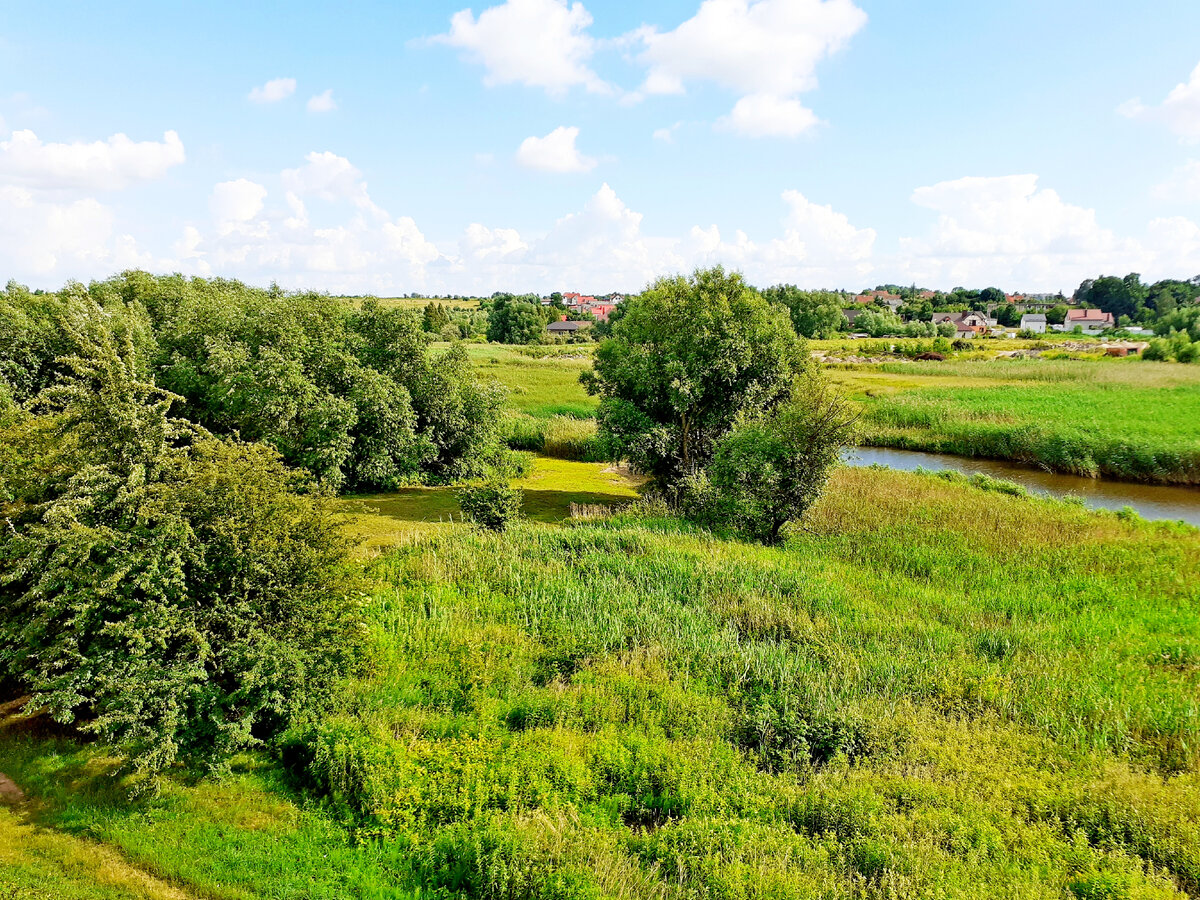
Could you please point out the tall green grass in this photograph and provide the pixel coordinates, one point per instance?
(1131, 420)
(540, 386)
(933, 689)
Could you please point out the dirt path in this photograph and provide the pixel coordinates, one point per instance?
(9, 792)
(75, 860)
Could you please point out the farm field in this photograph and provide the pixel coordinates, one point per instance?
(932, 690)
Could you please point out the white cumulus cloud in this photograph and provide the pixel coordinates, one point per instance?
(100, 165)
(273, 91)
(348, 244)
(322, 102)
(330, 177)
(765, 115)
(1183, 186)
(236, 201)
(1180, 111)
(537, 43)
(556, 152)
(765, 50)
(1008, 230)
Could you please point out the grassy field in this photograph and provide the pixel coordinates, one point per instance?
(542, 382)
(1117, 418)
(550, 488)
(932, 690)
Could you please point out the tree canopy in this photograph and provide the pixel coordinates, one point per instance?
(690, 355)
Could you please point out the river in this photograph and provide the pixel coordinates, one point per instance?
(1152, 501)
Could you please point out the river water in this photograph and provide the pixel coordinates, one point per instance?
(1152, 501)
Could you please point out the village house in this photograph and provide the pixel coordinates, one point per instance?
(1091, 321)
(567, 328)
(967, 324)
(600, 309)
(1035, 322)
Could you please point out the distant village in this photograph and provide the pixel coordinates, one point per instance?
(583, 309)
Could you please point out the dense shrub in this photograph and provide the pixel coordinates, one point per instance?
(517, 320)
(493, 505)
(352, 395)
(173, 593)
(768, 471)
(690, 356)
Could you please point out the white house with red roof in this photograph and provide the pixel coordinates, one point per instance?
(1091, 321)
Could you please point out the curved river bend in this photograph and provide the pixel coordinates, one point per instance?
(1152, 501)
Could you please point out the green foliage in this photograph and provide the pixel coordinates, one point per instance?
(991, 296)
(170, 592)
(767, 472)
(1008, 315)
(493, 505)
(352, 395)
(517, 320)
(815, 314)
(1057, 314)
(434, 318)
(690, 356)
(1119, 296)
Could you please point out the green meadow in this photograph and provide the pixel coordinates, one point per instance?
(1128, 419)
(542, 381)
(932, 689)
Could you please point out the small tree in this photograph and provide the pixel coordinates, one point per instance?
(768, 471)
(493, 505)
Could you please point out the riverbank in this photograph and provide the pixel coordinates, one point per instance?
(1153, 502)
(1124, 419)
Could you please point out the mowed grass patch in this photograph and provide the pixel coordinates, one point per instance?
(244, 837)
(551, 487)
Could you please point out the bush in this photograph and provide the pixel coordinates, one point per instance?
(769, 471)
(493, 505)
(175, 594)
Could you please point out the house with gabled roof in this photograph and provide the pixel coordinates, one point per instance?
(1091, 321)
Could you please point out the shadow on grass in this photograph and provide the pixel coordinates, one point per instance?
(430, 505)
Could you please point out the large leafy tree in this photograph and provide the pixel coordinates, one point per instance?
(173, 593)
(1119, 296)
(517, 319)
(690, 355)
(992, 296)
(815, 314)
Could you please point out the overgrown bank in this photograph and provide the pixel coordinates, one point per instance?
(935, 690)
(1132, 420)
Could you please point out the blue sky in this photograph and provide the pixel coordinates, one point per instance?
(541, 145)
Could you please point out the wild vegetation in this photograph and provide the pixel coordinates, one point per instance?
(511, 676)
(1124, 419)
(933, 690)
